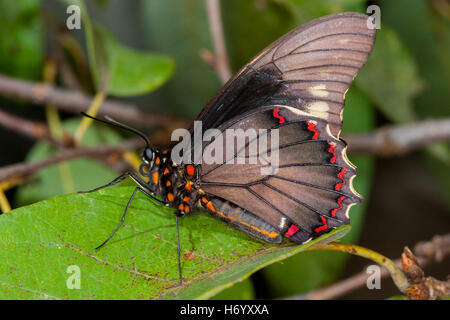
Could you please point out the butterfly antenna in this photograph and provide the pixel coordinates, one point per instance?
(115, 123)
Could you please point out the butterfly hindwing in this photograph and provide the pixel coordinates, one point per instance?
(310, 187)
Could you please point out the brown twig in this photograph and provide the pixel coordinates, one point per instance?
(23, 170)
(395, 140)
(75, 102)
(427, 252)
(31, 129)
(219, 61)
(421, 287)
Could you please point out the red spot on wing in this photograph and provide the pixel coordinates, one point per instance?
(276, 115)
(331, 150)
(292, 230)
(312, 127)
(340, 175)
(322, 227)
(335, 210)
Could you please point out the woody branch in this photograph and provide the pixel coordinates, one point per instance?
(75, 102)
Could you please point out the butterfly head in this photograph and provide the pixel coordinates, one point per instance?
(148, 163)
(148, 155)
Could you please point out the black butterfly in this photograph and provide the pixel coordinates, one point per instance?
(296, 85)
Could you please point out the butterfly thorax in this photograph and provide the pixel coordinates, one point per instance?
(176, 184)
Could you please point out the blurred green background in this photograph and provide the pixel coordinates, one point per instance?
(151, 52)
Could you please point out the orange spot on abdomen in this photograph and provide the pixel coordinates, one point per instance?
(155, 177)
(210, 206)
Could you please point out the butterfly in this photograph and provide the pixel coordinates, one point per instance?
(295, 88)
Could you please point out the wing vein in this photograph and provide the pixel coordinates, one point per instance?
(332, 35)
(316, 187)
(299, 202)
(324, 65)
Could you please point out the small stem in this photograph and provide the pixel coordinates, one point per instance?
(9, 184)
(132, 159)
(76, 53)
(4, 203)
(397, 275)
(86, 122)
(54, 122)
(56, 129)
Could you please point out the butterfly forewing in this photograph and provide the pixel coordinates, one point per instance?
(310, 69)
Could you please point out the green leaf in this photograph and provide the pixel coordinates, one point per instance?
(428, 42)
(132, 72)
(118, 69)
(390, 77)
(22, 39)
(239, 291)
(39, 242)
(84, 173)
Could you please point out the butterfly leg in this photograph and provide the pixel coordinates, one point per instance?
(125, 212)
(112, 183)
(144, 189)
(121, 220)
(141, 183)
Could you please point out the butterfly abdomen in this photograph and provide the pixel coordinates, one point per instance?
(241, 219)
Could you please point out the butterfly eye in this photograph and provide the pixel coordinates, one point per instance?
(148, 155)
